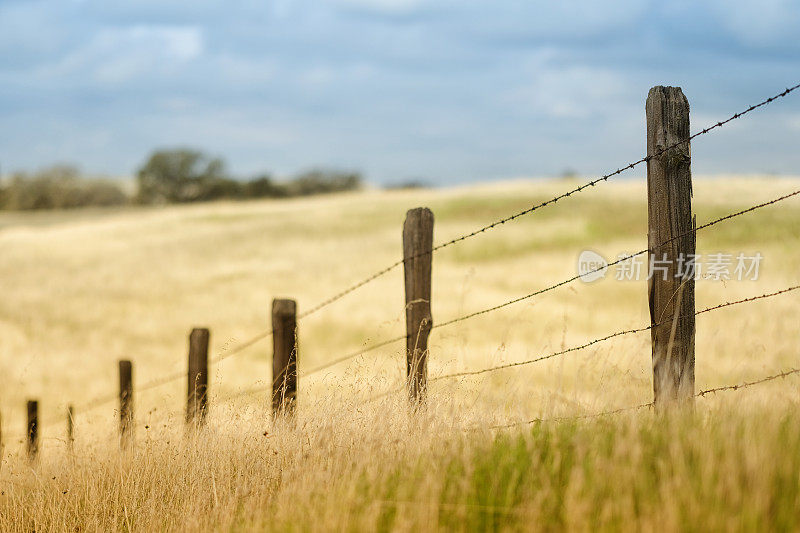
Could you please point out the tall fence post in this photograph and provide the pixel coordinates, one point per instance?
(125, 403)
(197, 401)
(284, 356)
(417, 247)
(670, 221)
(70, 427)
(33, 429)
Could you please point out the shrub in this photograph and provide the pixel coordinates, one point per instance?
(323, 181)
(59, 187)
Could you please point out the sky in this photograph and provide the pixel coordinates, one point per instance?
(445, 91)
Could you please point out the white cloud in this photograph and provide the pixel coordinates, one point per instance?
(117, 55)
(575, 92)
(381, 6)
(760, 22)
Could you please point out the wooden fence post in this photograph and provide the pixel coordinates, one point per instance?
(417, 247)
(197, 401)
(284, 356)
(125, 403)
(33, 429)
(70, 426)
(669, 207)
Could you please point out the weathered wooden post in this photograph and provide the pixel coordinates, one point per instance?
(197, 401)
(33, 429)
(417, 254)
(670, 221)
(125, 403)
(284, 356)
(70, 427)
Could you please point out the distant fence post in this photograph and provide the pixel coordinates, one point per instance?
(197, 401)
(70, 427)
(33, 429)
(671, 275)
(284, 356)
(125, 403)
(417, 247)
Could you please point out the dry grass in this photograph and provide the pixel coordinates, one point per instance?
(83, 290)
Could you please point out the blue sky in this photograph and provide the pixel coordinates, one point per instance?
(447, 91)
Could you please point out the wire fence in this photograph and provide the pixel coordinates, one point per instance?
(252, 341)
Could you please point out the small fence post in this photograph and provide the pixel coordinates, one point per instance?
(33, 429)
(125, 403)
(671, 283)
(284, 356)
(70, 426)
(197, 401)
(417, 253)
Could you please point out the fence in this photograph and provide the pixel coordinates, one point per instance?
(672, 233)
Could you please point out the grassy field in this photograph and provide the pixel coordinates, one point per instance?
(81, 290)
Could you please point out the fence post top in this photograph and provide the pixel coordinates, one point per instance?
(284, 306)
(199, 331)
(667, 92)
(420, 212)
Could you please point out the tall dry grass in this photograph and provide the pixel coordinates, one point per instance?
(82, 291)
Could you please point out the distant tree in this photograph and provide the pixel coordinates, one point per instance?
(320, 181)
(411, 183)
(59, 187)
(182, 175)
(264, 187)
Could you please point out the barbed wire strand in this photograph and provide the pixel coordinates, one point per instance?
(700, 394)
(354, 355)
(611, 336)
(605, 177)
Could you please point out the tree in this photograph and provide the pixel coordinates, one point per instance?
(180, 175)
(320, 181)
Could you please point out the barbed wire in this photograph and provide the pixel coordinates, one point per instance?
(178, 375)
(701, 394)
(263, 335)
(619, 260)
(354, 354)
(611, 336)
(747, 384)
(561, 283)
(467, 373)
(605, 177)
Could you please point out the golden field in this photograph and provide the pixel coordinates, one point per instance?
(81, 290)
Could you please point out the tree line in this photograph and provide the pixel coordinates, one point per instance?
(168, 176)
